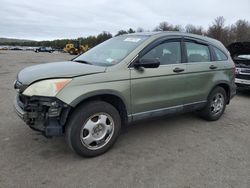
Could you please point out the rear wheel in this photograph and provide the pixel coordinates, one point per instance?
(93, 128)
(216, 105)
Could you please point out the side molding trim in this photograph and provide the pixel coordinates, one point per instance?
(167, 111)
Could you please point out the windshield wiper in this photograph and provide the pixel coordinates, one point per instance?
(82, 61)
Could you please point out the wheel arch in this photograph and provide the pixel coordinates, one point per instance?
(108, 96)
(226, 87)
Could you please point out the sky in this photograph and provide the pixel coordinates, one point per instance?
(57, 19)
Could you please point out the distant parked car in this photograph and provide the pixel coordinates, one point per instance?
(240, 52)
(15, 48)
(44, 49)
(3, 48)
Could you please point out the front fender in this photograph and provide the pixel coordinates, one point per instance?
(96, 94)
(74, 94)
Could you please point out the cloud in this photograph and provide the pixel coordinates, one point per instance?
(44, 19)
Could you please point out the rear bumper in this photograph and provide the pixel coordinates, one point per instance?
(46, 115)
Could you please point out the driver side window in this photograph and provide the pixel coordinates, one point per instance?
(167, 53)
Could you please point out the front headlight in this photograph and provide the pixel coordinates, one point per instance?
(47, 88)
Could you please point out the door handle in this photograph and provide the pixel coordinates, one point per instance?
(213, 67)
(178, 69)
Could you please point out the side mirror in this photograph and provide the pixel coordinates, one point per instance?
(148, 63)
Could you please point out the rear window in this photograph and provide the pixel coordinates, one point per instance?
(197, 52)
(219, 55)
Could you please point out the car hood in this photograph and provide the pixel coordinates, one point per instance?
(239, 48)
(66, 69)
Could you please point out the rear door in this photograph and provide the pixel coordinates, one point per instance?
(202, 71)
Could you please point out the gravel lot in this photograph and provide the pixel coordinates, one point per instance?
(182, 151)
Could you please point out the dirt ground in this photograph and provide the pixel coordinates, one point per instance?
(180, 152)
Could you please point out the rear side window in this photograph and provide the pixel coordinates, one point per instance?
(197, 52)
(219, 55)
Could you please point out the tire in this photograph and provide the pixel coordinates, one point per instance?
(93, 128)
(72, 52)
(213, 111)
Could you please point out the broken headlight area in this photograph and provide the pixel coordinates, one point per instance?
(45, 114)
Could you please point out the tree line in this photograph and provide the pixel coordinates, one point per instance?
(227, 34)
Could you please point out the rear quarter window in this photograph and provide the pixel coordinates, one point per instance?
(219, 55)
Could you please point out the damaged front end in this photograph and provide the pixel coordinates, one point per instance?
(47, 115)
(240, 52)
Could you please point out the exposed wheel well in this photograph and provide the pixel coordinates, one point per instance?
(114, 100)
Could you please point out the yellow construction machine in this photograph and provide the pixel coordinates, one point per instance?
(75, 48)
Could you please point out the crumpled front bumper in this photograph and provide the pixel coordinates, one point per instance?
(19, 111)
(44, 114)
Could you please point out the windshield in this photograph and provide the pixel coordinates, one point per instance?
(112, 51)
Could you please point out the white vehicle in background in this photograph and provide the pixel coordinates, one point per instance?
(240, 52)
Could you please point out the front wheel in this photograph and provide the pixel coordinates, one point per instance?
(215, 106)
(93, 128)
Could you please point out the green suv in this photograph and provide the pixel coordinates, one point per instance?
(122, 80)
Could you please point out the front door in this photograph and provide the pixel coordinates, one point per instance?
(156, 91)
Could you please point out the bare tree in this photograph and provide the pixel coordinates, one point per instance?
(218, 30)
(241, 31)
(164, 26)
(194, 29)
(178, 28)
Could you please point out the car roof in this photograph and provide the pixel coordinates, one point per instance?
(169, 33)
(178, 33)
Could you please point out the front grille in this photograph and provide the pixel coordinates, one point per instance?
(245, 71)
(243, 76)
